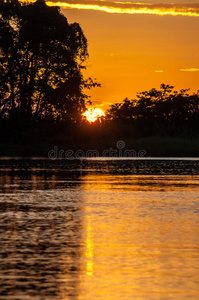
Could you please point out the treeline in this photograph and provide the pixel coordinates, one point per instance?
(43, 91)
(163, 111)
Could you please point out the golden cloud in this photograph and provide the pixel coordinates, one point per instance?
(131, 8)
(189, 70)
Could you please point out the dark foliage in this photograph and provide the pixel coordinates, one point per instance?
(163, 112)
(41, 62)
(42, 91)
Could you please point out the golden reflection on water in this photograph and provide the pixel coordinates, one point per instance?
(145, 243)
(141, 182)
(99, 237)
(89, 246)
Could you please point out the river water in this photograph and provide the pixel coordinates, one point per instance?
(99, 229)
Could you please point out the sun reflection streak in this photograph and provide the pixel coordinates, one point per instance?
(89, 249)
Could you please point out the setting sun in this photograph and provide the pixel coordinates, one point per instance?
(92, 114)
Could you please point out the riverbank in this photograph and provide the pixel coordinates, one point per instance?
(63, 147)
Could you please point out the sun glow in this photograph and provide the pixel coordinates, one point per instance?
(92, 114)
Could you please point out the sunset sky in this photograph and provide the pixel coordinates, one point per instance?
(134, 47)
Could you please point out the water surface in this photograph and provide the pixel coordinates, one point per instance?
(99, 229)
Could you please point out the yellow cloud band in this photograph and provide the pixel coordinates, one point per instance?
(130, 8)
(189, 70)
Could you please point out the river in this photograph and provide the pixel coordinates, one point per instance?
(99, 229)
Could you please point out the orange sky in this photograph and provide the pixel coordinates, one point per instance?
(134, 47)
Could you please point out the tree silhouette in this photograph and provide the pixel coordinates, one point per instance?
(158, 110)
(41, 62)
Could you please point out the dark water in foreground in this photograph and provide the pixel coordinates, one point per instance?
(99, 229)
